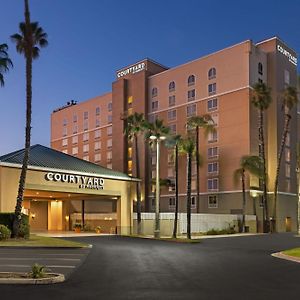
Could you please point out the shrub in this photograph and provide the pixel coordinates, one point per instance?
(5, 233)
(37, 271)
(228, 230)
(7, 220)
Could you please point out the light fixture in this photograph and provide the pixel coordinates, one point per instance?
(51, 196)
(32, 215)
(67, 218)
(37, 193)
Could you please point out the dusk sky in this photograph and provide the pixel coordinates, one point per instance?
(89, 40)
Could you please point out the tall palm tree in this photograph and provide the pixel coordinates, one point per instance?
(261, 99)
(5, 62)
(174, 142)
(28, 42)
(135, 124)
(253, 165)
(289, 101)
(188, 147)
(196, 122)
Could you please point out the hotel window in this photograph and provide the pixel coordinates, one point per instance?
(109, 106)
(212, 152)
(193, 202)
(129, 152)
(154, 92)
(74, 118)
(191, 80)
(109, 155)
(65, 151)
(65, 131)
(97, 111)
(172, 114)
(85, 125)
(75, 150)
(212, 88)
(260, 68)
(152, 118)
(65, 122)
(215, 119)
(287, 170)
(260, 80)
(212, 184)
(75, 139)
(97, 146)
(170, 172)
(288, 185)
(191, 110)
(194, 184)
(154, 105)
(191, 95)
(212, 104)
(172, 128)
(213, 167)
(287, 154)
(153, 173)
(86, 157)
(286, 77)
(97, 134)
(75, 129)
(85, 115)
(109, 166)
(97, 157)
(85, 137)
(109, 130)
(109, 119)
(97, 122)
(65, 142)
(129, 166)
(171, 158)
(213, 136)
(172, 100)
(288, 139)
(153, 159)
(172, 86)
(172, 202)
(212, 201)
(129, 101)
(212, 73)
(86, 148)
(109, 143)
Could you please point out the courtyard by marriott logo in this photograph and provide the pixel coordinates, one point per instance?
(292, 59)
(84, 182)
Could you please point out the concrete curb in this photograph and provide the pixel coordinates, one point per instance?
(57, 279)
(286, 257)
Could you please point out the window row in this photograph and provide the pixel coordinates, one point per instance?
(212, 201)
(86, 147)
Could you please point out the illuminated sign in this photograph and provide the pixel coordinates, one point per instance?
(84, 182)
(292, 59)
(132, 70)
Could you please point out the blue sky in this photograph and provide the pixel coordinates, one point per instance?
(89, 40)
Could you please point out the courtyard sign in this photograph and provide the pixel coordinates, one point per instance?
(292, 59)
(131, 70)
(84, 182)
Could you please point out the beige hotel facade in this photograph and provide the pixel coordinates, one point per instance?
(219, 84)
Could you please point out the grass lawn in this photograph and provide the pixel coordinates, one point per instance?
(41, 241)
(292, 252)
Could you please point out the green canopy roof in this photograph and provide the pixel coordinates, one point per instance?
(47, 158)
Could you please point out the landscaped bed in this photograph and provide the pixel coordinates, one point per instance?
(26, 278)
(292, 252)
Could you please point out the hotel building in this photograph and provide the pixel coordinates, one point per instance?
(219, 84)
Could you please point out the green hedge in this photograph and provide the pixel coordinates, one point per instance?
(8, 218)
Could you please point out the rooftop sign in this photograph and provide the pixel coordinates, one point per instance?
(292, 59)
(132, 70)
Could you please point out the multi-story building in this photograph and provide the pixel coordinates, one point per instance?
(219, 84)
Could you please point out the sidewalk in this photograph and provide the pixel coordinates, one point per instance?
(68, 234)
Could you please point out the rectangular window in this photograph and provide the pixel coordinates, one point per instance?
(212, 184)
(97, 157)
(85, 115)
(97, 111)
(154, 105)
(65, 142)
(213, 137)
(97, 146)
(212, 152)
(129, 102)
(75, 129)
(109, 106)
(74, 118)
(191, 110)
(85, 125)
(288, 185)
(109, 143)
(212, 104)
(65, 151)
(97, 122)
(152, 118)
(194, 184)
(65, 131)
(75, 139)
(109, 155)
(86, 157)
(213, 167)
(129, 166)
(170, 172)
(97, 134)
(153, 173)
(85, 137)
(109, 119)
(172, 128)
(65, 122)
(86, 148)
(215, 118)
(288, 139)
(287, 170)
(109, 130)
(191, 95)
(286, 77)
(287, 154)
(193, 202)
(212, 88)
(172, 202)
(129, 153)
(212, 201)
(172, 100)
(75, 150)
(172, 114)
(109, 166)
(171, 158)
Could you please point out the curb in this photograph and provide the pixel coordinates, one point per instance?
(286, 257)
(57, 279)
(45, 247)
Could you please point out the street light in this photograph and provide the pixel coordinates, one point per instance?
(158, 139)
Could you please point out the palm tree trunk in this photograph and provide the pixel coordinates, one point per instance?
(138, 187)
(189, 181)
(22, 180)
(198, 169)
(176, 193)
(244, 200)
(263, 157)
(282, 145)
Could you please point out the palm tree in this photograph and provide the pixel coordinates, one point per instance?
(28, 43)
(289, 101)
(135, 124)
(5, 62)
(253, 165)
(174, 142)
(261, 99)
(196, 122)
(188, 147)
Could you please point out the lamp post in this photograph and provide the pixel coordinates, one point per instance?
(158, 139)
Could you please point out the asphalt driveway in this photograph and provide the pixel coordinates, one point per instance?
(130, 268)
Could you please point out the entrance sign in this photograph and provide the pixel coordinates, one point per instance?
(292, 59)
(134, 69)
(84, 182)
